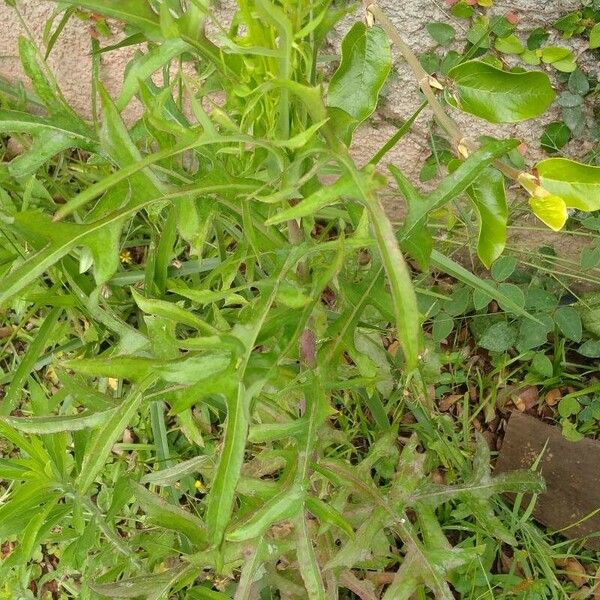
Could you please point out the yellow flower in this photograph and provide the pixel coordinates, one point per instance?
(126, 256)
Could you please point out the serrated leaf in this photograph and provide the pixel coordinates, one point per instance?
(499, 96)
(285, 505)
(170, 516)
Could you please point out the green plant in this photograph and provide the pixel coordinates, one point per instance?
(251, 324)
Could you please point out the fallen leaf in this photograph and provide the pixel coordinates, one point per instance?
(393, 348)
(512, 17)
(553, 397)
(447, 402)
(574, 570)
(526, 399)
(596, 590)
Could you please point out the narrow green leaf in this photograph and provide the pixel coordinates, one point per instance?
(307, 562)
(452, 268)
(143, 66)
(151, 586)
(59, 423)
(327, 514)
(456, 182)
(222, 492)
(170, 516)
(177, 472)
(138, 13)
(283, 506)
(325, 196)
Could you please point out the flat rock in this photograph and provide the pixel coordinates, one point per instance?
(571, 502)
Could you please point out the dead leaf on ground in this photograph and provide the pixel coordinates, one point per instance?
(447, 402)
(596, 590)
(574, 570)
(553, 397)
(526, 398)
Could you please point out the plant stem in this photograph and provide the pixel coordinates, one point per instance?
(422, 76)
(449, 125)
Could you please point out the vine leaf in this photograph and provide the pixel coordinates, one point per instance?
(489, 198)
(499, 96)
(577, 184)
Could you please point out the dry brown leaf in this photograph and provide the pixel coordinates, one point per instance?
(393, 348)
(447, 402)
(553, 397)
(526, 399)
(596, 590)
(574, 570)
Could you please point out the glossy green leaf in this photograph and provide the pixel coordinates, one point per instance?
(489, 197)
(577, 184)
(366, 64)
(499, 96)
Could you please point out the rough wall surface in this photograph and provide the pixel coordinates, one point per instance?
(71, 61)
